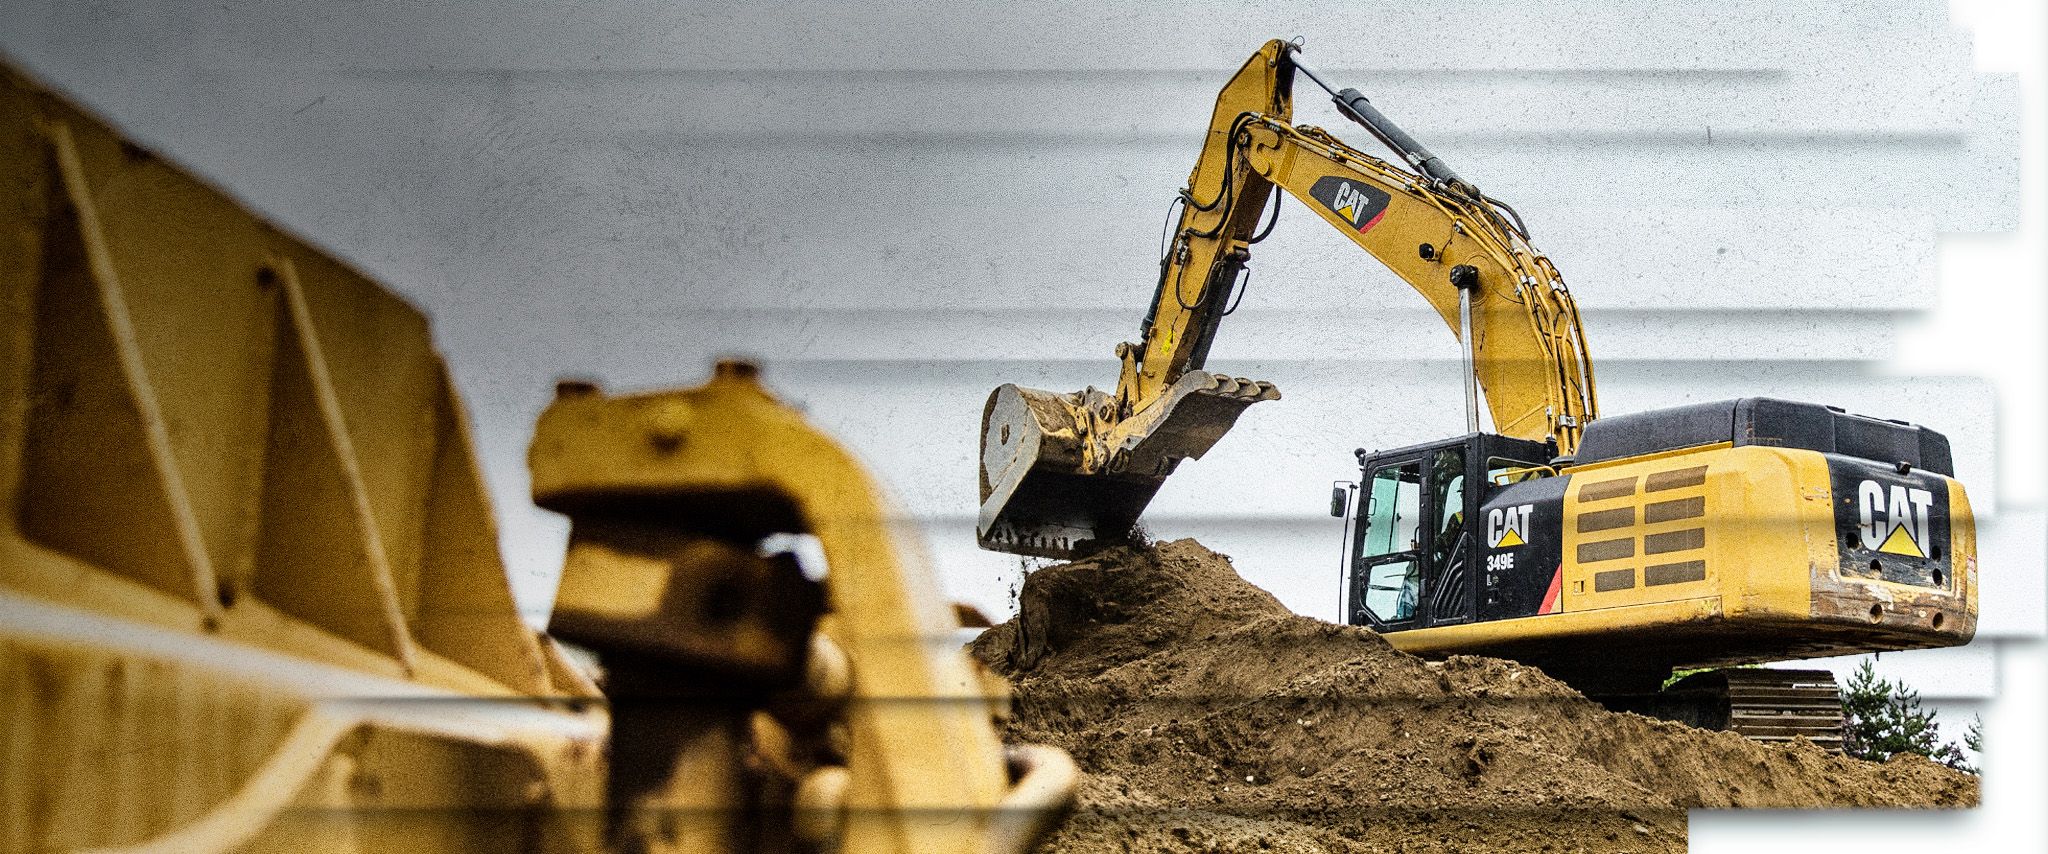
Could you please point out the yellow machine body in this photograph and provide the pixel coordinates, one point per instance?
(250, 592)
(251, 597)
(1717, 556)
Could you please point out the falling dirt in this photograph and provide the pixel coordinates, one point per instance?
(1208, 717)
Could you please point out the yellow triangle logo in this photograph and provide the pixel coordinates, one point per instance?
(1901, 543)
(1509, 540)
(1347, 213)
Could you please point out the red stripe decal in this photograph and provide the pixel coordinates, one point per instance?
(1374, 221)
(1551, 605)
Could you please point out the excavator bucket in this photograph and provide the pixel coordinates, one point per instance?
(1060, 478)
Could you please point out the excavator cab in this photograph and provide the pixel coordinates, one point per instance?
(1416, 535)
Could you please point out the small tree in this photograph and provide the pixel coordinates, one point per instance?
(1973, 738)
(1884, 719)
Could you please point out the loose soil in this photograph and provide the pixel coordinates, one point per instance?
(1208, 717)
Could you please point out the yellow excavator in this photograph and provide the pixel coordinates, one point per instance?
(1608, 551)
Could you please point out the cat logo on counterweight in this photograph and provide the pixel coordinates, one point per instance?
(1894, 518)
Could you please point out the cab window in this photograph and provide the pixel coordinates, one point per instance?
(1393, 510)
(1393, 526)
(1502, 471)
(1391, 590)
(1447, 489)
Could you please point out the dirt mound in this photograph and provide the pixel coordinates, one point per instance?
(1210, 718)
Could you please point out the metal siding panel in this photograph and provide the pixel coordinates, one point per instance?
(531, 197)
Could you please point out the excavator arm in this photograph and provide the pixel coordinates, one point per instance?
(1063, 472)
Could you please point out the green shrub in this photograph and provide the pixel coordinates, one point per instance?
(1884, 719)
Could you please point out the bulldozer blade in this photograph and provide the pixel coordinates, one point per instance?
(1045, 494)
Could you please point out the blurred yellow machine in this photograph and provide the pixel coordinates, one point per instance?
(251, 598)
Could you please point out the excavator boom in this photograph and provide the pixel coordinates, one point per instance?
(1061, 473)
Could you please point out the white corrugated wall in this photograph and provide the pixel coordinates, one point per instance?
(897, 206)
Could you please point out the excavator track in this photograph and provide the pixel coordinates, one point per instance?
(1763, 704)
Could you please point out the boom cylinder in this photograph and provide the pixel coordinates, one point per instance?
(1355, 106)
(1465, 278)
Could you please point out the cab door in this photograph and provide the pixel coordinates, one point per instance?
(1449, 540)
(1412, 553)
(1386, 562)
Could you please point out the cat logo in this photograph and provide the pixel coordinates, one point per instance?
(1360, 206)
(1508, 527)
(1894, 520)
